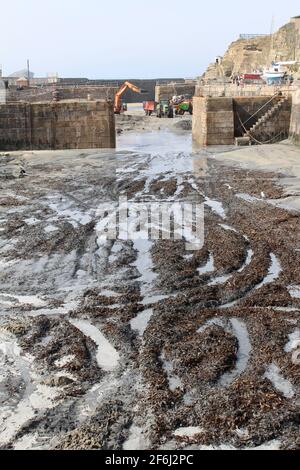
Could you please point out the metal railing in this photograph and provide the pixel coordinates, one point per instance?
(252, 36)
(262, 107)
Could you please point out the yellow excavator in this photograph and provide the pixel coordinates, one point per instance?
(118, 106)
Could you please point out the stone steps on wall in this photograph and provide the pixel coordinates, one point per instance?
(266, 118)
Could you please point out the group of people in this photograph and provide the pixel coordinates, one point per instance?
(236, 79)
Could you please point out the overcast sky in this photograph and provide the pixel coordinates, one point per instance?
(129, 39)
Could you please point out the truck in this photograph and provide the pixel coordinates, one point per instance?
(149, 107)
(185, 106)
(182, 104)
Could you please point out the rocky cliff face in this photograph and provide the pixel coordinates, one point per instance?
(248, 55)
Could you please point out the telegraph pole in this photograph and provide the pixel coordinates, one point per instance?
(272, 35)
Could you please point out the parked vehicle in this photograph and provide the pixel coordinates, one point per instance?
(185, 106)
(120, 107)
(164, 109)
(251, 79)
(182, 104)
(149, 107)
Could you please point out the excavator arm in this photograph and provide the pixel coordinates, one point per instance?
(126, 85)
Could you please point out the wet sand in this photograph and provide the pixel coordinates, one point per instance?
(283, 158)
(142, 344)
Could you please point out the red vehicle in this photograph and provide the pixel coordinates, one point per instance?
(149, 107)
(251, 78)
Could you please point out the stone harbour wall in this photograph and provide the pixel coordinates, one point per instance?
(217, 121)
(55, 126)
(213, 121)
(34, 95)
(230, 90)
(166, 92)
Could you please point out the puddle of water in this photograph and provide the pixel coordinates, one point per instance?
(179, 189)
(31, 221)
(159, 142)
(188, 432)
(90, 401)
(51, 228)
(248, 197)
(136, 440)
(140, 322)
(243, 354)
(212, 321)
(294, 291)
(62, 207)
(36, 396)
(109, 293)
(144, 264)
(285, 309)
(216, 207)
(250, 254)
(220, 280)
(229, 228)
(284, 386)
(273, 273)
(157, 154)
(15, 300)
(67, 307)
(107, 356)
(293, 343)
(208, 267)
(173, 379)
(154, 298)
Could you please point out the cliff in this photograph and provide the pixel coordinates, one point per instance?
(247, 55)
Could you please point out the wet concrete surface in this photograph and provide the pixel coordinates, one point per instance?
(141, 344)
